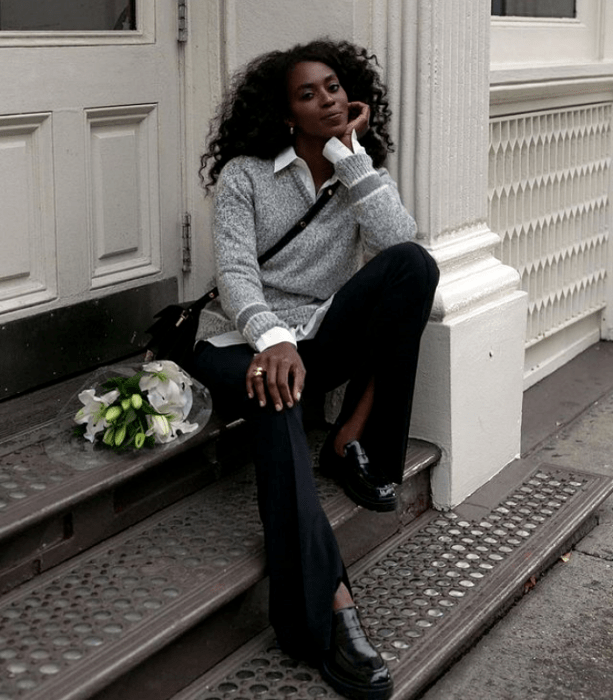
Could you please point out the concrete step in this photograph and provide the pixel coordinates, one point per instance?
(434, 587)
(119, 617)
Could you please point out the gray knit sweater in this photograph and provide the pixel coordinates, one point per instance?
(255, 207)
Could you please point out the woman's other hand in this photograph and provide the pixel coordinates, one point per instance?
(359, 120)
(280, 370)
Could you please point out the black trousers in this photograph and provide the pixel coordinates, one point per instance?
(372, 329)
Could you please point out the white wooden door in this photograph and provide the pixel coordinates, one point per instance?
(90, 150)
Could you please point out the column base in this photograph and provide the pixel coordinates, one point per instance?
(469, 395)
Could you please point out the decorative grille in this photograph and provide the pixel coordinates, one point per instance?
(549, 202)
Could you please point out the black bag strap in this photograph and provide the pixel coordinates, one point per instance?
(297, 228)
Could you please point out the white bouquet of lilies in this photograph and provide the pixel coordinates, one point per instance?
(149, 407)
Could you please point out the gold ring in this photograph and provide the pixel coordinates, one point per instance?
(259, 371)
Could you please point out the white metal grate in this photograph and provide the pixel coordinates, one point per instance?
(549, 202)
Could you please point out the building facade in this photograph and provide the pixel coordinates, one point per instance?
(502, 125)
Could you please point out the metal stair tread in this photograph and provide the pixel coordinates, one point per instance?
(431, 589)
(33, 485)
(79, 626)
(95, 610)
(36, 484)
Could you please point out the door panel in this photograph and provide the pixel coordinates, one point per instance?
(90, 167)
(123, 193)
(27, 263)
(90, 180)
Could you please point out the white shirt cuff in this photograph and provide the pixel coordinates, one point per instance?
(335, 149)
(274, 336)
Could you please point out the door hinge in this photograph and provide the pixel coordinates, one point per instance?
(182, 21)
(186, 242)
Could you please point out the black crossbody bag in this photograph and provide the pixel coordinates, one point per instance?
(173, 335)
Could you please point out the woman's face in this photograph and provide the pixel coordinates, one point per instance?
(317, 101)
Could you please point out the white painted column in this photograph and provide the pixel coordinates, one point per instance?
(469, 393)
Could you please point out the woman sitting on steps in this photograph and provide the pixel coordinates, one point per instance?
(312, 318)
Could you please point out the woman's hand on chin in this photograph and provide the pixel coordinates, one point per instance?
(280, 370)
(359, 121)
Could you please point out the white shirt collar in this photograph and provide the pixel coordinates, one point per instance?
(287, 157)
(334, 151)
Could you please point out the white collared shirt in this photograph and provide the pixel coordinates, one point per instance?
(334, 151)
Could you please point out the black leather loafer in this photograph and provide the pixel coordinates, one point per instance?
(357, 477)
(353, 667)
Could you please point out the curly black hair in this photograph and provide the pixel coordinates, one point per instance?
(251, 119)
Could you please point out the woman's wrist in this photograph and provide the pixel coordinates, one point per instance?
(274, 336)
(335, 150)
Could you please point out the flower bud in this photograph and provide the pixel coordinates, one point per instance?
(120, 435)
(137, 401)
(125, 404)
(112, 413)
(108, 436)
(139, 440)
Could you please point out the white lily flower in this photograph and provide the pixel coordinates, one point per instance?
(168, 388)
(159, 427)
(92, 413)
(168, 427)
(166, 369)
(183, 426)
